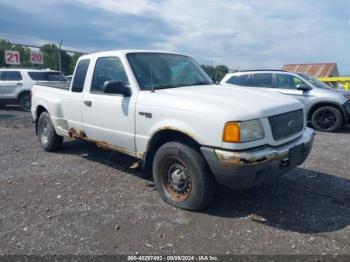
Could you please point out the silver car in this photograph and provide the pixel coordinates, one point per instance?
(327, 109)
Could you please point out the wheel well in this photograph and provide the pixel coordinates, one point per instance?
(162, 137)
(22, 93)
(39, 111)
(317, 106)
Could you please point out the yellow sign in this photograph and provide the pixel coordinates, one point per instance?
(345, 81)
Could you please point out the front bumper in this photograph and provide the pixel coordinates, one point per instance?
(261, 165)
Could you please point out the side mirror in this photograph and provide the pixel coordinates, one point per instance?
(116, 87)
(303, 87)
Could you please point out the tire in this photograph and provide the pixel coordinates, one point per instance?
(182, 177)
(48, 138)
(25, 102)
(327, 119)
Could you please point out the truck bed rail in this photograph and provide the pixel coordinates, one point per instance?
(59, 85)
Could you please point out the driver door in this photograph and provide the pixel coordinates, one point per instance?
(109, 118)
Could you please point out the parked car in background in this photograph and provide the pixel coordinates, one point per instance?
(164, 110)
(327, 109)
(15, 84)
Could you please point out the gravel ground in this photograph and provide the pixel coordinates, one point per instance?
(84, 200)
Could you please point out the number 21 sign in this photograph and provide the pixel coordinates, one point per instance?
(36, 57)
(12, 57)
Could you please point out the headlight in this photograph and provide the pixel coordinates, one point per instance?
(237, 132)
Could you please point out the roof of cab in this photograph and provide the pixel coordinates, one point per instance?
(127, 51)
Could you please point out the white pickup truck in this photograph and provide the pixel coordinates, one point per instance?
(162, 109)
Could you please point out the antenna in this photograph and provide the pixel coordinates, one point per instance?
(59, 60)
(150, 66)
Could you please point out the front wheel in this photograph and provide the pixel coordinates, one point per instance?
(182, 176)
(327, 119)
(48, 138)
(25, 102)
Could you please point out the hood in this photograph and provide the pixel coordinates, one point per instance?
(233, 103)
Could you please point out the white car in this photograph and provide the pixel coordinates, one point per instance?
(15, 84)
(165, 111)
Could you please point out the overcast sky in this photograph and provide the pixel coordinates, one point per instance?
(242, 34)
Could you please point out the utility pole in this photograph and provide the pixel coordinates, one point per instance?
(59, 61)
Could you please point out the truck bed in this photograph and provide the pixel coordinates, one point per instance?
(59, 85)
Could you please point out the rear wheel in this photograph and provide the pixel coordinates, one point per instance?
(327, 119)
(48, 138)
(25, 102)
(182, 177)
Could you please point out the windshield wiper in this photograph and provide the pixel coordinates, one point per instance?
(202, 83)
(181, 85)
(199, 83)
(164, 86)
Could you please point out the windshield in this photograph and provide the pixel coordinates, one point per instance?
(314, 81)
(46, 76)
(159, 71)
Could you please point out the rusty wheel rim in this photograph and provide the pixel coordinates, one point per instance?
(176, 180)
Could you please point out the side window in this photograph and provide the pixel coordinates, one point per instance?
(260, 80)
(106, 69)
(287, 81)
(10, 76)
(80, 75)
(239, 80)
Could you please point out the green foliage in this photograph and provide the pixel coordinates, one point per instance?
(50, 52)
(216, 73)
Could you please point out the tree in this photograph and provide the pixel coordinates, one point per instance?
(50, 53)
(220, 72)
(216, 73)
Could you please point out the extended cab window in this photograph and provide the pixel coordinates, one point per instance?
(80, 75)
(106, 69)
(284, 81)
(10, 76)
(260, 80)
(240, 80)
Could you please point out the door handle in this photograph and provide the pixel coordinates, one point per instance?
(87, 103)
(19, 84)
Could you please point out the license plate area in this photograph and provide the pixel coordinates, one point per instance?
(294, 154)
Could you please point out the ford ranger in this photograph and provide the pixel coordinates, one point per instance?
(190, 133)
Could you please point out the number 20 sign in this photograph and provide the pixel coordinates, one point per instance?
(36, 57)
(12, 57)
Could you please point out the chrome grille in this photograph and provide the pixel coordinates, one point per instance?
(287, 124)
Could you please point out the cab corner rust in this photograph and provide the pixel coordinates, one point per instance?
(73, 133)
